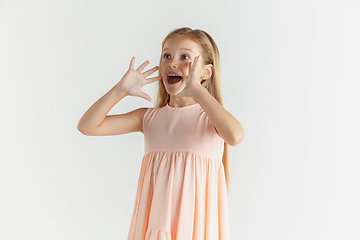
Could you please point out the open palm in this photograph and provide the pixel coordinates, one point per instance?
(133, 80)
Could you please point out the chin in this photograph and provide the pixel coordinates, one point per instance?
(173, 89)
(172, 92)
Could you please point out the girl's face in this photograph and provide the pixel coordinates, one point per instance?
(176, 55)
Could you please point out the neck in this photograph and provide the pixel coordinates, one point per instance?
(182, 102)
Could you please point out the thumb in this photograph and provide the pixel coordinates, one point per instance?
(144, 95)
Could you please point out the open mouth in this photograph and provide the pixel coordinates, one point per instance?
(174, 78)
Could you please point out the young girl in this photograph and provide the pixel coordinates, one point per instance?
(181, 192)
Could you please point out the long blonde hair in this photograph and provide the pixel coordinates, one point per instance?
(210, 54)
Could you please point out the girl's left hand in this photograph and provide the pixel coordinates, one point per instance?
(192, 82)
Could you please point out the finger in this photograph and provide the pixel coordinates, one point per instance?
(132, 62)
(144, 95)
(150, 71)
(189, 70)
(142, 66)
(194, 65)
(153, 79)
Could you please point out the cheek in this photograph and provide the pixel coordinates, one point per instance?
(163, 66)
(162, 69)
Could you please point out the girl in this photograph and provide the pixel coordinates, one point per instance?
(181, 192)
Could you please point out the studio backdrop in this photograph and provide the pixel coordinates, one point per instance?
(290, 76)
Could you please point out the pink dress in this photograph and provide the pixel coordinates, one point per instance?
(181, 193)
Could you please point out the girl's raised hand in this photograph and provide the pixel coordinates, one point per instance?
(133, 80)
(192, 82)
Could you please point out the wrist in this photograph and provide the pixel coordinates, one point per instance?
(198, 92)
(119, 92)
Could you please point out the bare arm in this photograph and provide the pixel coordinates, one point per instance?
(225, 124)
(95, 121)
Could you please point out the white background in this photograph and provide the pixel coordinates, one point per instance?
(290, 75)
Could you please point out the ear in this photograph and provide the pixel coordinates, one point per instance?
(208, 69)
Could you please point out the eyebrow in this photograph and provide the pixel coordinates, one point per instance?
(181, 48)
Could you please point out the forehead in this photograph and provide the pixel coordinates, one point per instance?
(179, 42)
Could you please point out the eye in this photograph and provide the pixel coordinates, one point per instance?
(166, 55)
(185, 57)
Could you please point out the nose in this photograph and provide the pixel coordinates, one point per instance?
(173, 63)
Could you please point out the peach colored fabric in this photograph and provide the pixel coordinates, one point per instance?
(181, 193)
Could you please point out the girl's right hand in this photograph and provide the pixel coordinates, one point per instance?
(133, 80)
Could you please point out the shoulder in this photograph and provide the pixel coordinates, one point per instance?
(150, 115)
(210, 124)
(141, 111)
(147, 113)
(139, 114)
